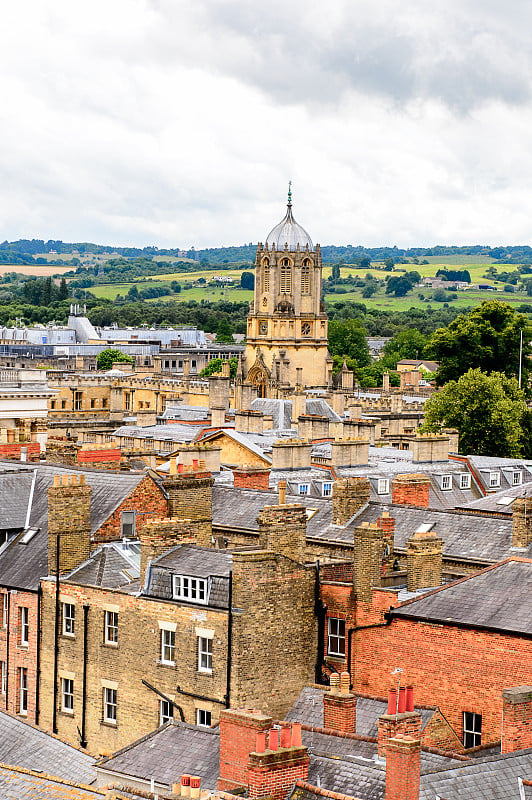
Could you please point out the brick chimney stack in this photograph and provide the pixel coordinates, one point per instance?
(259, 758)
(190, 498)
(349, 495)
(69, 517)
(387, 525)
(367, 560)
(157, 536)
(403, 768)
(249, 477)
(400, 718)
(521, 522)
(283, 529)
(516, 719)
(340, 705)
(423, 560)
(411, 490)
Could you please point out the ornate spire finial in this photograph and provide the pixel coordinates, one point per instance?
(289, 193)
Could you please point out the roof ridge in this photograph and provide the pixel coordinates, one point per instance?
(54, 778)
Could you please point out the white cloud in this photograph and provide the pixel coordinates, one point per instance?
(175, 123)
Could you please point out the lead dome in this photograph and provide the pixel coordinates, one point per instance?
(288, 233)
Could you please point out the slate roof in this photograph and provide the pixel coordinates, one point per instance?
(112, 566)
(175, 432)
(492, 778)
(504, 467)
(23, 745)
(17, 783)
(22, 566)
(14, 485)
(169, 752)
(500, 502)
(183, 412)
(308, 709)
(348, 775)
(498, 598)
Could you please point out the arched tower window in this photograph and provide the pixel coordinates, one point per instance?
(285, 282)
(305, 277)
(266, 275)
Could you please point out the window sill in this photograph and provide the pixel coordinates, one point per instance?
(24, 646)
(70, 636)
(111, 645)
(170, 664)
(22, 714)
(204, 671)
(336, 656)
(109, 723)
(67, 713)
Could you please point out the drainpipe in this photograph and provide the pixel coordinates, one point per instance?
(320, 609)
(56, 634)
(39, 638)
(83, 733)
(357, 628)
(8, 632)
(229, 644)
(164, 697)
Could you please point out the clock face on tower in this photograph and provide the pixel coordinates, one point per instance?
(264, 328)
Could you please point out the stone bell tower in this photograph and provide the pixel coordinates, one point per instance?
(287, 325)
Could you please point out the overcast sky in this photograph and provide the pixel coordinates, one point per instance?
(180, 122)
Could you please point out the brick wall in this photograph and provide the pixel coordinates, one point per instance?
(521, 522)
(403, 755)
(146, 499)
(139, 632)
(17, 655)
(13, 450)
(367, 560)
(251, 478)
(283, 529)
(457, 669)
(157, 536)
(423, 561)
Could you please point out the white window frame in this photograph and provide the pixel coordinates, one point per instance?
(303, 489)
(23, 691)
(69, 619)
(3, 677)
(446, 483)
(465, 480)
(166, 712)
(205, 654)
(472, 727)
(67, 695)
(110, 703)
(186, 587)
(24, 626)
(110, 634)
(128, 524)
(5, 609)
(383, 486)
(326, 489)
(203, 718)
(335, 626)
(494, 481)
(517, 478)
(168, 647)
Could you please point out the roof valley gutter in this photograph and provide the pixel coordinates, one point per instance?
(30, 500)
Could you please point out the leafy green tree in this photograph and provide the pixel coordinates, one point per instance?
(405, 344)
(488, 338)
(108, 357)
(224, 332)
(348, 339)
(215, 365)
(63, 290)
(398, 285)
(247, 280)
(490, 412)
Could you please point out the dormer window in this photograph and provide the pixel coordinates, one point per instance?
(465, 481)
(304, 488)
(192, 589)
(494, 479)
(517, 478)
(446, 483)
(383, 486)
(326, 489)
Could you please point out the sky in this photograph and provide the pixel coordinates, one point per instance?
(179, 123)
